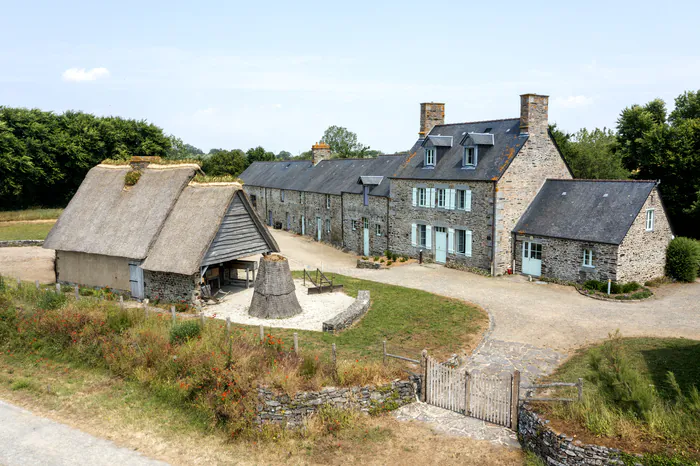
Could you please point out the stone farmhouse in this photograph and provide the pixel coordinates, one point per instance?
(163, 237)
(455, 197)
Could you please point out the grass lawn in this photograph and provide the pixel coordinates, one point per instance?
(29, 214)
(410, 320)
(631, 403)
(16, 231)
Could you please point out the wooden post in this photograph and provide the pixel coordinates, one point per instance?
(580, 389)
(121, 302)
(201, 319)
(172, 313)
(228, 328)
(335, 360)
(247, 281)
(36, 283)
(467, 394)
(77, 293)
(514, 400)
(424, 372)
(262, 333)
(296, 343)
(145, 309)
(19, 283)
(58, 287)
(384, 349)
(609, 285)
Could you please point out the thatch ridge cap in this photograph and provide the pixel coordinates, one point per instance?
(216, 183)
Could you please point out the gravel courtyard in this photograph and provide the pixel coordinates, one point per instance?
(316, 309)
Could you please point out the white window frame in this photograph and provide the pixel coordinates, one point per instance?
(430, 155)
(328, 225)
(301, 197)
(281, 195)
(353, 223)
(378, 229)
(475, 156)
(650, 220)
(588, 257)
(467, 249)
(464, 203)
(422, 236)
(441, 192)
(422, 197)
(328, 201)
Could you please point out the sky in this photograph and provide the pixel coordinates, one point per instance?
(224, 74)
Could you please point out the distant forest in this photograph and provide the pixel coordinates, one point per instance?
(44, 156)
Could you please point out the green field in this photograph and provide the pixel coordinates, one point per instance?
(17, 231)
(29, 214)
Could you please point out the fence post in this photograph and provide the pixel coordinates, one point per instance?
(467, 393)
(609, 285)
(228, 328)
(384, 349)
(36, 283)
(172, 313)
(145, 308)
(201, 319)
(121, 302)
(424, 372)
(335, 367)
(58, 287)
(514, 400)
(580, 389)
(296, 343)
(19, 283)
(77, 293)
(262, 333)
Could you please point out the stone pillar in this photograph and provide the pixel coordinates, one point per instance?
(431, 114)
(320, 151)
(534, 111)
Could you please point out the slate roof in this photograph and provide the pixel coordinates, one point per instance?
(438, 141)
(591, 210)
(370, 180)
(332, 176)
(485, 139)
(493, 159)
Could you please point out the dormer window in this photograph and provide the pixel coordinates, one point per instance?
(430, 157)
(470, 156)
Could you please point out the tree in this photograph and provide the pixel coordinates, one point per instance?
(668, 150)
(258, 154)
(344, 143)
(178, 150)
(284, 155)
(591, 154)
(224, 162)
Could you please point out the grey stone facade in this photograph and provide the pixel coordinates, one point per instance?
(642, 254)
(170, 287)
(536, 436)
(352, 314)
(562, 259)
(376, 213)
(283, 409)
(402, 215)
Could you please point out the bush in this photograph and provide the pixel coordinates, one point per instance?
(389, 262)
(184, 331)
(50, 300)
(683, 259)
(132, 178)
(592, 285)
(630, 287)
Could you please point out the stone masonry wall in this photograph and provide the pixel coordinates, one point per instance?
(169, 287)
(642, 254)
(563, 259)
(536, 161)
(376, 213)
(352, 314)
(315, 206)
(259, 194)
(558, 449)
(402, 214)
(292, 410)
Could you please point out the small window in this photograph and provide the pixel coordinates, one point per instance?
(650, 219)
(422, 197)
(588, 257)
(461, 241)
(301, 197)
(365, 195)
(441, 201)
(378, 229)
(281, 195)
(430, 157)
(328, 201)
(470, 155)
(463, 199)
(328, 225)
(422, 235)
(354, 224)
(365, 222)
(536, 251)
(254, 200)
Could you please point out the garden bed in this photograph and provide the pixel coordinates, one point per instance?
(631, 291)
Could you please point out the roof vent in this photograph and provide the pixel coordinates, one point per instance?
(488, 130)
(605, 195)
(508, 130)
(564, 193)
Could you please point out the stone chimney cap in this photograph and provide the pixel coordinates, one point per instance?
(533, 94)
(320, 145)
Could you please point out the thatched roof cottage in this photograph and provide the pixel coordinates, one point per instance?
(152, 230)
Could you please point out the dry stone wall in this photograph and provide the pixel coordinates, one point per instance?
(291, 410)
(169, 287)
(376, 213)
(21, 242)
(555, 449)
(351, 315)
(642, 254)
(402, 215)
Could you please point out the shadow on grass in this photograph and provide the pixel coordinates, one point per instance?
(682, 357)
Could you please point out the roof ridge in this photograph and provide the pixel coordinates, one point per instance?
(475, 122)
(593, 180)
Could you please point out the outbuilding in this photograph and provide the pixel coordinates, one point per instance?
(578, 230)
(154, 230)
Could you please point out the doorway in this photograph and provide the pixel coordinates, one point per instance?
(440, 245)
(532, 258)
(365, 236)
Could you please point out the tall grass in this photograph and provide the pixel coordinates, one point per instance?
(29, 214)
(200, 367)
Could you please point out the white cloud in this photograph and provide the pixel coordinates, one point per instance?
(573, 101)
(81, 74)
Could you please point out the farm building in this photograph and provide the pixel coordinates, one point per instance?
(579, 230)
(163, 236)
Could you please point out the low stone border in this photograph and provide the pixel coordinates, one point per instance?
(21, 242)
(349, 316)
(555, 449)
(283, 409)
(602, 298)
(368, 264)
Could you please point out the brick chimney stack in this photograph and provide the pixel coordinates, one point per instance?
(320, 151)
(534, 111)
(431, 114)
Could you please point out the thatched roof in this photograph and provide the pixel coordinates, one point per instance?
(194, 223)
(105, 218)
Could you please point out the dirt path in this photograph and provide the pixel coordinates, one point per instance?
(27, 263)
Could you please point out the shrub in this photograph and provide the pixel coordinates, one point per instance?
(184, 331)
(403, 259)
(389, 262)
(50, 300)
(3, 286)
(630, 287)
(87, 292)
(593, 285)
(309, 367)
(376, 258)
(132, 178)
(683, 259)
(381, 260)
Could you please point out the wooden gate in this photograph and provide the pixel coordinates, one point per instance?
(491, 398)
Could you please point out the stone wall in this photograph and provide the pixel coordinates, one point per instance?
(259, 205)
(93, 270)
(555, 449)
(402, 214)
(376, 213)
(292, 410)
(536, 161)
(169, 287)
(642, 254)
(563, 259)
(352, 314)
(21, 242)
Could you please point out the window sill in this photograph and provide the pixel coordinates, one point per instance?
(587, 268)
(429, 167)
(468, 167)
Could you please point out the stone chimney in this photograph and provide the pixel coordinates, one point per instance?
(533, 114)
(140, 162)
(431, 114)
(320, 151)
